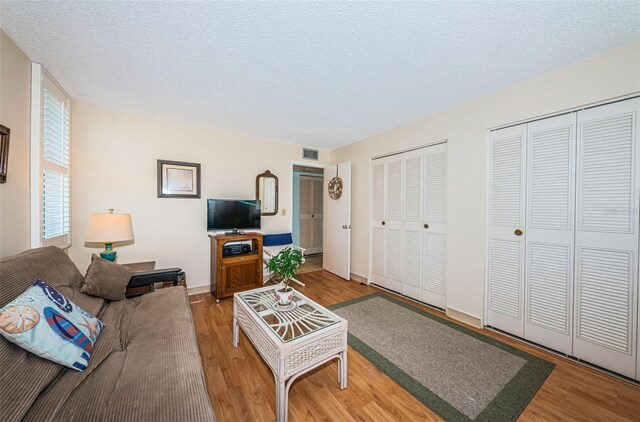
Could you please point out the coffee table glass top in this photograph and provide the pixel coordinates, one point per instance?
(305, 317)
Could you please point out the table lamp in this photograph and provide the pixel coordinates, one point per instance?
(108, 229)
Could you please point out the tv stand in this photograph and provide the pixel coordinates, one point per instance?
(235, 273)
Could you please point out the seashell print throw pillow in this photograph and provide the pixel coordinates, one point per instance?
(44, 322)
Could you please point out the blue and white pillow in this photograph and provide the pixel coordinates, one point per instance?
(43, 321)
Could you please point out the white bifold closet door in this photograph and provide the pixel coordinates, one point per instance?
(549, 231)
(562, 234)
(607, 237)
(408, 223)
(377, 216)
(412, 250)
(505, 240)
(386, 222)
(393, 223)
(530, 266)
(434, 225)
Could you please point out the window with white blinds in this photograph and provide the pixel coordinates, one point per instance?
(51, 165)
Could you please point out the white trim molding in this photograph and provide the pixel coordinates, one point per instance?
(464, 317)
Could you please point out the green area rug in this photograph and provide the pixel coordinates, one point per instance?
(458, 373)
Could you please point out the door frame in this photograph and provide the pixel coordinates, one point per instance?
(304, 164)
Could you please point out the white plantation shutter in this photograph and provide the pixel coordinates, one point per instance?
(55, 204)
(51, 163)
(55, 128)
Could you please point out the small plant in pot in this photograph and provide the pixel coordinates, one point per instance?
(285, 264)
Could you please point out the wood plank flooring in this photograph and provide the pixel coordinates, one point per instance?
(311, 263)
(241, 386)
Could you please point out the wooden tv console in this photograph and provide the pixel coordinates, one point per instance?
(235, 273)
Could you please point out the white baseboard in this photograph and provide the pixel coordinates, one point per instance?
(198, 290)
(474, 321)
(359, 278)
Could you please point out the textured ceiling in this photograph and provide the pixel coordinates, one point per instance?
(316, 73)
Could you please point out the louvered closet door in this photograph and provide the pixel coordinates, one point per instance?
(505, 248)
(550, 232)
(306, 224)
(607, 237)
(311, 197)
(378, 207)
(412, 223)
(317, 209)
(393, 261)
(434, 225)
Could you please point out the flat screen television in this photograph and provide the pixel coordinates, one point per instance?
(230, 214)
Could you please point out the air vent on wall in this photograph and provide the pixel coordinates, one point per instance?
(310, 154)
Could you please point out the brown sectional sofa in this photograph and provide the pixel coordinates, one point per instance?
(145, 365)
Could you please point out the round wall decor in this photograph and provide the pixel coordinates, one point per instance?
(335, 187)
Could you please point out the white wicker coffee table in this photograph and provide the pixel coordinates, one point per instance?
(291, 342)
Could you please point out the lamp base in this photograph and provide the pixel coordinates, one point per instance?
(109, 254)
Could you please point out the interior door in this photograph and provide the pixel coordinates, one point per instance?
(317, 199)
(505, 235)
(412, 254)
(551, 146)
(607, 237)
(306, 228)
(434, 227)
(311, 199)
(336, 230)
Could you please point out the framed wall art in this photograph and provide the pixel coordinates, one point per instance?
(177, 179)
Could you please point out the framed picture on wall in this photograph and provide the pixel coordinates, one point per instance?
(177, 179)
(4, 152)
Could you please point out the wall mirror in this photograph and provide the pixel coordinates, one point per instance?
(267, 192)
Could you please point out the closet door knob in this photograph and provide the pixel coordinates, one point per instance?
(426, 226)
(518, 232)
(383, 223)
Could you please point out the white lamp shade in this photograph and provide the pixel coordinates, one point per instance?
(109, 228)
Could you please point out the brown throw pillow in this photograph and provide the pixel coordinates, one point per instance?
(106, 279)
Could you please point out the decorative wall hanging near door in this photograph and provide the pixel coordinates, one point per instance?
(335, 186)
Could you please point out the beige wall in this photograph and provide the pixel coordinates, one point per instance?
(605, 76)
(114, 166)
(15, 110)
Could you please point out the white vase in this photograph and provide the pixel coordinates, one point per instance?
(283, 296)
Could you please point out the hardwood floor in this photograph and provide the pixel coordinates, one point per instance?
(241, 386)
(312, 263)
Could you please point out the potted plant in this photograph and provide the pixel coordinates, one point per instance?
(285, 264)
